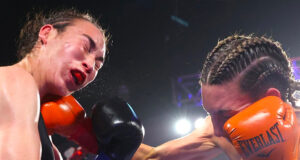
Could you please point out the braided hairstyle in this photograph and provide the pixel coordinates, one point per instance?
(259, 62)
(60, 19)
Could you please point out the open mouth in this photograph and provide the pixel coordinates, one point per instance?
(78, 77)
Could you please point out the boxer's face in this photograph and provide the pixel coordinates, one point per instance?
(222, 102)
(72, 58)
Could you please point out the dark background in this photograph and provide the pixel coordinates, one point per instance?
(149, 50)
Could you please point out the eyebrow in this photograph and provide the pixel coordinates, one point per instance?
(91, 41)
(93, 45)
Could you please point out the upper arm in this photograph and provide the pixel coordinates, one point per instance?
(19, 108)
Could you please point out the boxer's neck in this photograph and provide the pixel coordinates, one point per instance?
(31, 64)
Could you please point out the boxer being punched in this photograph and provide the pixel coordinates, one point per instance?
(61, 53)
(247, 89)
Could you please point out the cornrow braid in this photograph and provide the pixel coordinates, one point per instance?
(242, 55)
(259, 62)
(214, 53)
(263, 74)
(237, 55)
(280, 54)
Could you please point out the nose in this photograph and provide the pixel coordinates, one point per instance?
(87, 67)
(89, 63)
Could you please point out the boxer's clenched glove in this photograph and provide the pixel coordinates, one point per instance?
(118, 130)
(66, 117)
(266, 129)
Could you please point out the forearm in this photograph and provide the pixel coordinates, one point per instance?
(184, 149)
(200, 144)
(226, 146)
(142, 152)
(197, 145)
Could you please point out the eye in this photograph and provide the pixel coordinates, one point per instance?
(86, 48)
(85, 45)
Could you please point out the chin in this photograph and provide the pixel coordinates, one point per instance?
(62, 92)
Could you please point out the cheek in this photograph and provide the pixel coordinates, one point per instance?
(218, 124)
(92, 76)
(208, 101)
(217, 121)
(72, 52)
(208, 107)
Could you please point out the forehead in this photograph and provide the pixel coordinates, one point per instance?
(223, 97)
(83, 27)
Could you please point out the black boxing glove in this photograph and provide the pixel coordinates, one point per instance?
(117, 128)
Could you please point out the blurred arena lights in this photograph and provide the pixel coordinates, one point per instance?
(296, 71)
(199, 122)
(296, 95)
(183, 126)
(296, 67)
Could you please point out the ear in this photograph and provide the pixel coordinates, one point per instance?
(273, 92)
(44, 33)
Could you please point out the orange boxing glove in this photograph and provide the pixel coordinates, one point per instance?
(66, 117)
(266, 129)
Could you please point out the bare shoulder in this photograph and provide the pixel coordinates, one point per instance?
(16, 79)
(13, 71)
(18, 91)
(19, 108)
(206, 129)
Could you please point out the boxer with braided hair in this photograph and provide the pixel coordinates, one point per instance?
(266, 59)
(247, 89)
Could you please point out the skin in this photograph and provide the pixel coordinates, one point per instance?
(208, 141)
(222, 102)
(46, 71)
(58, 54)
(200, 144)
